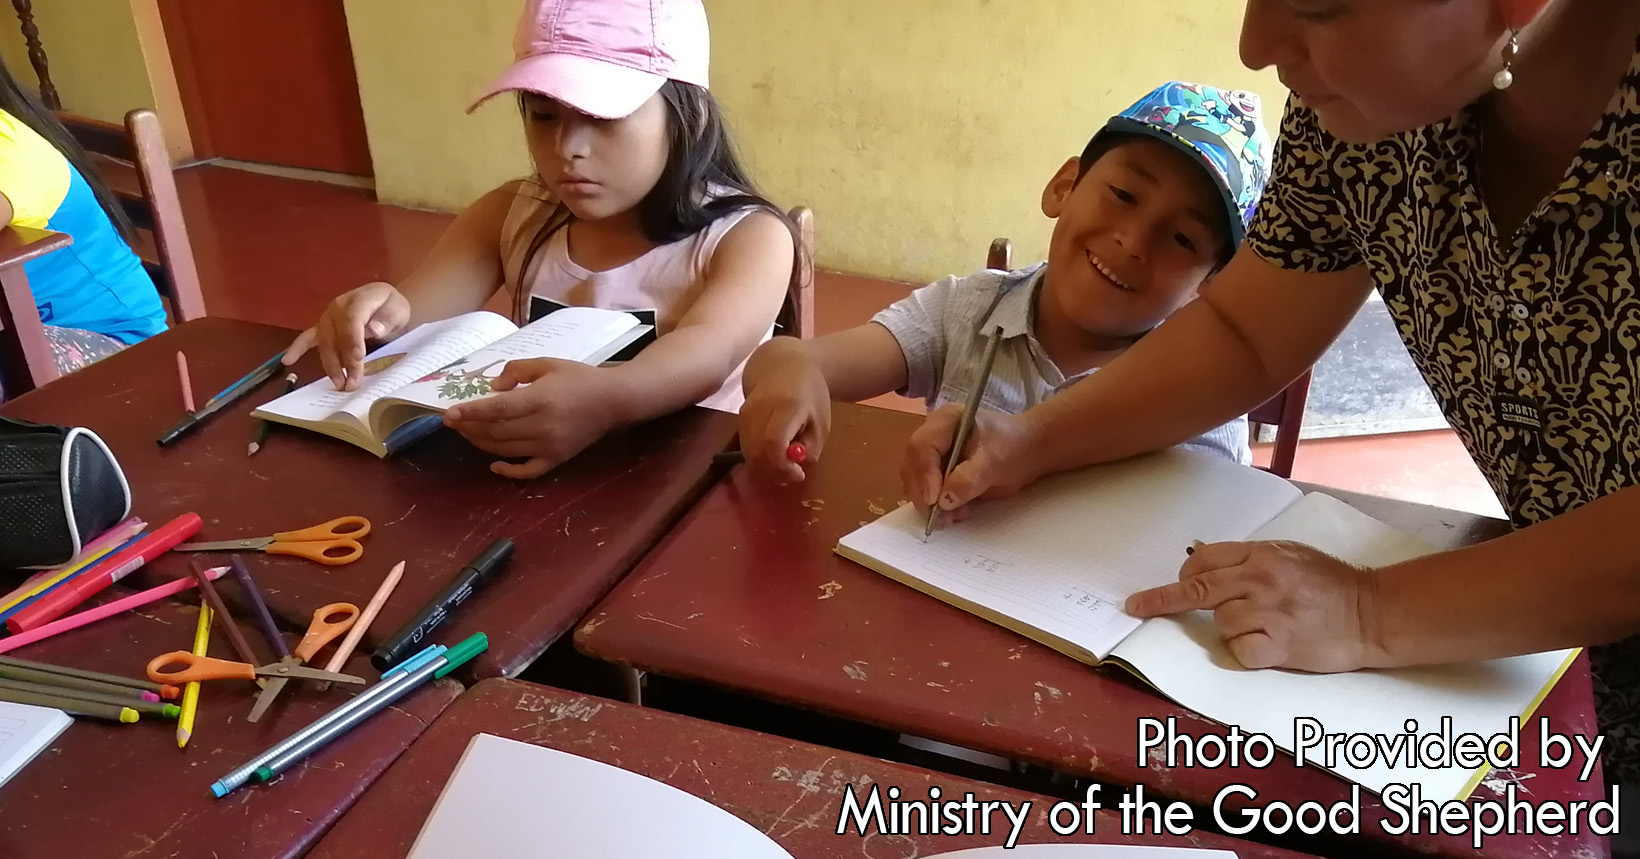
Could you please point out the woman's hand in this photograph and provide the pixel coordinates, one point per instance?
(1000, 460)
(1278, 605)
(787, 400)
(546, 412)
(373, 312)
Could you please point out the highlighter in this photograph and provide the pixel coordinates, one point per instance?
(470, 578)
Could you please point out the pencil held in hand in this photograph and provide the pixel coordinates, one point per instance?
(970, 411)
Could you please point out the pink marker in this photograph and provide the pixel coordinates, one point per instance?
(75, 621)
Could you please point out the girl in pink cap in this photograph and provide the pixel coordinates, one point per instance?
(638, 203)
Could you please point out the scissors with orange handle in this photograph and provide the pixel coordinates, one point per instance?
(328, 623)
(331, 543)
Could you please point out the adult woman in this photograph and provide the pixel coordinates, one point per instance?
(1440, 151)
(94, 295)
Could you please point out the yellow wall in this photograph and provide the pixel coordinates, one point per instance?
(93, 54)
(918, 130)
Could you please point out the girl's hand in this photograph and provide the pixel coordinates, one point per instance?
(549, 410)
(1278, 605)
(373, 312)
(1000, 460)
(787, 401)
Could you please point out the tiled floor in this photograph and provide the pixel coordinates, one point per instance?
(276, 250)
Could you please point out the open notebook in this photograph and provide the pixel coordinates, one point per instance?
(410, 382)
(25, 731)
(1056, 564)
(513, 800)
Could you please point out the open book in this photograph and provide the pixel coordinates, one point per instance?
(410, 382)
(513, 800)
(1057, 563)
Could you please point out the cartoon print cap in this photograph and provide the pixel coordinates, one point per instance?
(1220, 128)
(605, 58)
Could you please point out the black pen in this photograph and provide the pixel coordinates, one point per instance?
(469, 579)
(218, 403)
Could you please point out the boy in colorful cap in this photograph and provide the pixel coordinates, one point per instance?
(1156, 204)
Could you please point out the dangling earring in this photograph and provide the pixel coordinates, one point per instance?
(1506, 76)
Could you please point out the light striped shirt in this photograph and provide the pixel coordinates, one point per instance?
(940, 329)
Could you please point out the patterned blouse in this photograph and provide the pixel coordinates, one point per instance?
(1530, 344)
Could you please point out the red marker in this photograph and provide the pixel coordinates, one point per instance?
(794, 452)
(83, 587)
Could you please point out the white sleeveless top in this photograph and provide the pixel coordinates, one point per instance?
(667, 279)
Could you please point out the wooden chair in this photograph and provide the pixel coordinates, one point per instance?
(25, 356)
(796, 317)
(1284, 411)
(133, 162)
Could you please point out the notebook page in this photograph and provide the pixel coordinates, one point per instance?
(1186, 658)
(25, 731)
(420, 351)
(1086, 851)
(1064, 555)
(513, 800)
(571, 334)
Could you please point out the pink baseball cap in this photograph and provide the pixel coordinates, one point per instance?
(606, 58)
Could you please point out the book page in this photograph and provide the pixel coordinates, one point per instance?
(571, 334)
(1063, 556)
(513, 800)
(422, 350)
(1186, 658)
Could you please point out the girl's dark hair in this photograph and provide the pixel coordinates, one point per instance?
(27, 109)
(701, 161)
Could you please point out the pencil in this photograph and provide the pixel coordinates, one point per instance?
(187, 386)
(79, 619)
(154, 707)
(970, 411)
(64, 681)
(71, 706)
(339, 659)
(190, 692)
(213, 600)
(262, 427)
(114, 679)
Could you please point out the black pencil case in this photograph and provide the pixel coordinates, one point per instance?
(60, 488)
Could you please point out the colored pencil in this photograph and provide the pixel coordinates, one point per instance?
(262, 427)
(118, 566)
(75, 621)
(71, 706)
(62, 580)
(236, 639)
(141, 705)
(112, 679)
(99, 548)
(190, 692)
(187, 384)
(266, 369)
(339, 658)
(50, 678)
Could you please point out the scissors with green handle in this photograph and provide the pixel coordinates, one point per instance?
(331, 543)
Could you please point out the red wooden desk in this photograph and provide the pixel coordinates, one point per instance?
(578, 529)
(104, 790)
(789, 790)
(747, 594)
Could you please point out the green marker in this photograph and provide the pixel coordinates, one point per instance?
(456, 657)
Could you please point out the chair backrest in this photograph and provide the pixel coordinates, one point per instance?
(796, 317)
(133, 162)
(1284, 411)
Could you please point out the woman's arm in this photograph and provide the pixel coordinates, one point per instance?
(1255, 328)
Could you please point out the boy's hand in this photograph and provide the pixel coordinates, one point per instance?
(787, 401)
(548, 411)
(1278, 605)
(1000, 460)
(373, 312)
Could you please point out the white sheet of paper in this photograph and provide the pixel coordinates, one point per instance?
(25, 731)
(513, 800)
(1064, 556)
(1188, 660)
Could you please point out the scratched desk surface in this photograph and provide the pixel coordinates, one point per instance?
(789, 790)
(106, 790)
(746, 593)
(437, 506)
